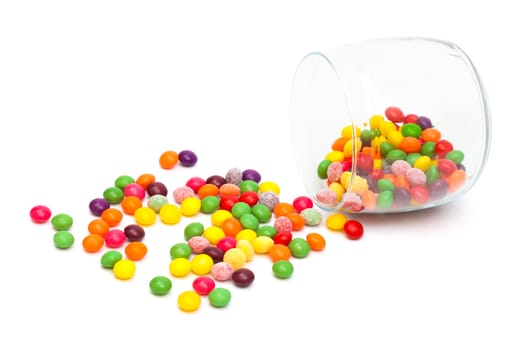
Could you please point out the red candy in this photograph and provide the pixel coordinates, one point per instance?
(302, 202)
(40, 214)
(395, 115)
(353, 229)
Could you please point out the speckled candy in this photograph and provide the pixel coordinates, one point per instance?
(198, 244)
(222, 271)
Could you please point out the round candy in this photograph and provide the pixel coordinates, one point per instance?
(136, 251)
(62, 222)
(311, 217)
(113, 195)
(353, 229)
(262, 213)
(243, 277)
(180, 267)
(98, 205)
(168, 159)
(213, 234)
(336, 221)
(219, 297)
(189, 301)
(170, 214)
(195, 183)
(301, 203)
(190, 206)
(279, 252)
(299, 247)
(40, 214)
(181, 193)
(316, 241)
(124, 269)
(209, 204)
(144, 180)
(282, 238)
(156, 201)
(112, 216)
(160, 285)
(240, 208)
(249, 185)
(249, 197)
(201, 264)
(123, 180)
(198, 243)
(216, 180)
(187, 158)
(92, 243)
(234, 176)
(222, 271)
(63, 239)
(215, 253)
(134, 189)
(130, 204)
(110, 258)
(98, 227)
(269, 199)
(193, 229)
(226, 243)
(180, 250)
(262, 244)
(235, 257)
(145, 216)
(269, 186)
(157, 188)
(134, 232)
(115, 238)
(282, 269)
(251, 174)
(203, 285)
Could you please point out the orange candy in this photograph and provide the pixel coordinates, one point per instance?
(168, 159)
(401, 181)
(339, 143)
(130, 203)
(431, 135)
(136, 250)
(98, 227)
(92, 243)
(229, 189)
(368, 199)
(231, 226)
(112, 216)
(297, 221)
(456, 180)
(316, 241)
(279, 252)
(207, 190)
(410, 144)
(145, 180)
(283, 208)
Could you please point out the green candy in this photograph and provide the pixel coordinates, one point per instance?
(113, 195)
(160, 285)
(209, 204)
(322, 168)
(456, 156)
(385, 200)
(156, 202)
(384, 185)
(432, 174)
(239, 209)
(249, 185)
(367, 135)
(311, 216)
(411, 129)
(249, 221)
(193, 229)
(282, 269)
(299, 247)
(266, 230)
(123, 180)
(262, 213)
(180, 250)
(395, 154)
(63, 239)
(219, 297)
(427, 149)
(385, 148)
(62, 222)
(412, 157)
(110, 258)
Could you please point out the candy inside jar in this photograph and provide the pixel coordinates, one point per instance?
(389, 125)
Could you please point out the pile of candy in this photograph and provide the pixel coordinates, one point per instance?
(398, 162)
(248, 218)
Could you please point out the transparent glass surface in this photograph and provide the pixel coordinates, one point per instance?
(343, 94)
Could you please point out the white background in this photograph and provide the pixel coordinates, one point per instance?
(90, 90)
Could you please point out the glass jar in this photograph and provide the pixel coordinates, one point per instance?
(389, 125)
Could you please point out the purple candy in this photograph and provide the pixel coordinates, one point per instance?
(250, 174)
(98, 205)
(401, 197)
(216, 180)
(438, 189)
(187, 158)
(424, 122)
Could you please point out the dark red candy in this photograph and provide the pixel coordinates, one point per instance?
(243, 277)
(157, 188)
(134, 233)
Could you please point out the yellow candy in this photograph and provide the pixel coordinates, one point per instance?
(349, 147)
(180, 267)
(335, 156)
(189, 301)
(246, 234)
(338, 189)
(218, 217)
(359, 185)
(214, 234)
(377, 141)
(124, 269)
(269, 186)
(190, 206)
(345, 179)
(336, 221)
(201, 264)
(394, 138)
(423, 163)
(235, 257)
(170, 214)
(145, 216)
(246, 247)
(378, 164)
(262, 244)
(386, 126)
(348, 132)
(375, 121)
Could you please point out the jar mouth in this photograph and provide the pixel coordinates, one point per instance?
(342, 87)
